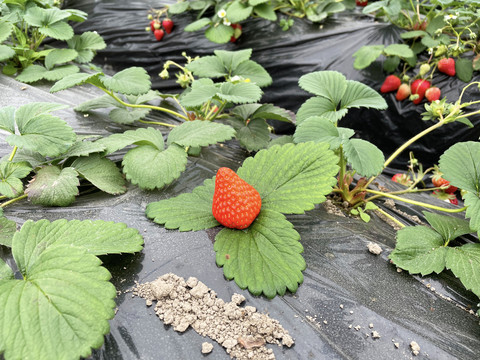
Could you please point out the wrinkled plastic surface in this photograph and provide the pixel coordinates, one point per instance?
(305, 48)
(340, 271)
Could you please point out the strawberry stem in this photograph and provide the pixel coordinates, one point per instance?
(413, 202)
(143, 106)
(384, 213)
(13, 200)
(14, 151)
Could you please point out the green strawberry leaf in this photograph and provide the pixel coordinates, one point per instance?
(104, 101)
(186, 212)
(328, 84)
(366, 159)
(240, 93)
(464, 69)
(413, 34)
(7, 119)
(202, 91)
(360, 95)
(45, 134)
(255, 135)
(148, 136)
(265, 258)
(8, 228)
(281, 140)
(6, 29)
(127, 116)
(291, 178)
(150, 168)
(131, 81)
(219, 34)
(59, 30)
(460, 164)
(265, 11)
(321, 129)
(419, 249)
(320, 106)
(88, 40)
(232, 59)
(6, 272)
(27, 112)
(207, 67)
(178, 8)
(237, 11)
(447, 226)
(391, 63)
(256, 2)
(400, 50)
(473, 210)
(101, 172)
(96, 237)
(272, 112)
(73, 302)
(200, 133)
(74, 80)
(31, 74)
(53, 186)
(10, 175)
(464, 261)
(366, 55)
(59, 56)
(60, 72)
(197, 25)
(6, 52)
(254, 72)
(84, 148)
(245, 111)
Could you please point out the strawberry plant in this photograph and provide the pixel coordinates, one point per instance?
(60, 304)
(221, 19)
(266, 256)
(24, 25)
(440, 36)
(128, 93)
(317, 121)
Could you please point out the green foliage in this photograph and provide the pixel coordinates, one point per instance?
(7, 230)
(424, 250)
(64, 280)
(459, 165)
(25, 25)
(265, 258)
(335, 95)
(53, 186)
(10, 175)
(218, 18)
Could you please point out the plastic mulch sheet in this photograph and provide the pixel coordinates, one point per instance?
(340, 271)
(286, 56)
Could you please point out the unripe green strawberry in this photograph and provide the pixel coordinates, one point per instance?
(236, 203)
(424, 68)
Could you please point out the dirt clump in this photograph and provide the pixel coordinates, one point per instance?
(242, 331)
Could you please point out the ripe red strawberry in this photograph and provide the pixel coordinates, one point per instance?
(152, 27)
(237, 31)
(420, 26)
(403, 92)
(419, 87)
(158, 33)
(391, 83)
(361, 2)
(439, 181)
(433, 93)
(403, 179)
(167, 25)
(235, 202)
(447, 66)
(453, 201)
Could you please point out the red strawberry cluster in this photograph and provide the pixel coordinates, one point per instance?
(236, 204)
(160, 28)
(420, 88)
(448, 191)
(361, 3)
(237, 31)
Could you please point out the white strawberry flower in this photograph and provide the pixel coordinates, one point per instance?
(226, 22)
(235, 78)
(222, 13)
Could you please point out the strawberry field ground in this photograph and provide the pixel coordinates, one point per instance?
(352, 304)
